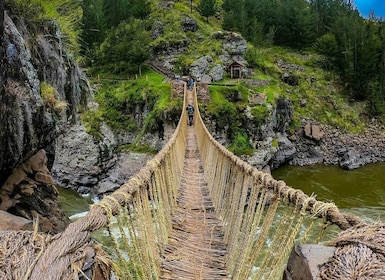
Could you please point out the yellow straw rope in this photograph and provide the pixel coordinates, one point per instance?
(245, 200)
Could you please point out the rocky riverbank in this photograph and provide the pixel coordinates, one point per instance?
(337, 147)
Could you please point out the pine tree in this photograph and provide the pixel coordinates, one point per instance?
(140, 9)
(294, 27)
(93, 26)
(207, 8)
(116, 11)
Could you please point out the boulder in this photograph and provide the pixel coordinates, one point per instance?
(234, 44)
(189, 24)
(351, 158)
(206, 78)
(81, 160)
(166, 48)
(200, 67)
(285, 152)
(290, 79)
(305, 260)
(126, 166)
(29, 193)
(9, 221)
(313, 131)
(216, 73)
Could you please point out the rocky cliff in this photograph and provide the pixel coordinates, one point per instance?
(41, 91)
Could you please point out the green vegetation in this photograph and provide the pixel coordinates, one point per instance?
(122, 103)
(353, 47)
(47, 93)
(67, 15)
(240, 144)
(207, 8)
(319, 95)
(337, 60)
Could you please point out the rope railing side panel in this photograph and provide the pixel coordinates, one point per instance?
(262, 217)
(137, 218)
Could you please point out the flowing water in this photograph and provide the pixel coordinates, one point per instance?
(73, 204)
(360, 191)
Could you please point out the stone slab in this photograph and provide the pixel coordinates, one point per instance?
(304, 261)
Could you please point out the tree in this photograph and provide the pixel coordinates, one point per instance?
(93, 27)
(116, 11)
(126, 48)
(207, 8)
(231, 18)
(294, 27)
(140, 9)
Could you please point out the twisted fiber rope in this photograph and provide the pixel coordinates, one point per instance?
(229, 195)
(295, 197)
(360, 254)
(54, 262)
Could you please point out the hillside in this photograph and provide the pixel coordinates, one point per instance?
(261, 116)
(267, 117)
(185, 43)
(91, 130)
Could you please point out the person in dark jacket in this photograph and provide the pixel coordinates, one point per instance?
(190, 113)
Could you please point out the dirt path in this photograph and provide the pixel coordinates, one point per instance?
(195, 248)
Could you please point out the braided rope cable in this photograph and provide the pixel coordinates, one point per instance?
(227, 177)
(333, 214)
(78, 233)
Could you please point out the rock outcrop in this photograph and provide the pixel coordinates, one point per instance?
(87, 165)
(323, 144)
(29, 193)
(41, 91)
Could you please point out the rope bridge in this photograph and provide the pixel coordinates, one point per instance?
(195, 211)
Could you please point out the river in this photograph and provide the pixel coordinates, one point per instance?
(360, 191)
(73, 204)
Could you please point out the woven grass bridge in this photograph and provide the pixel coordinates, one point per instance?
(195, 211)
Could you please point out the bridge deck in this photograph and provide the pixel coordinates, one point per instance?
(195, 248)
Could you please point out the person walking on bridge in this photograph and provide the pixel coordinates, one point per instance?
(190, 113)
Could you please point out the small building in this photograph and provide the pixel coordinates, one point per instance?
(238, 69)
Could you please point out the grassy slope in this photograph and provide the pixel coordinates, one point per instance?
(325, 100)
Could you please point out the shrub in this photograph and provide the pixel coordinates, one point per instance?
(47, 93)
(240, 144)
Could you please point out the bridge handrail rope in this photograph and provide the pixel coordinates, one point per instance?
(137, 218)
(279, 187)
(241, 194)
(158, 179)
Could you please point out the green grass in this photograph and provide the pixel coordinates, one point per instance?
(325, 99)
(119, 100)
